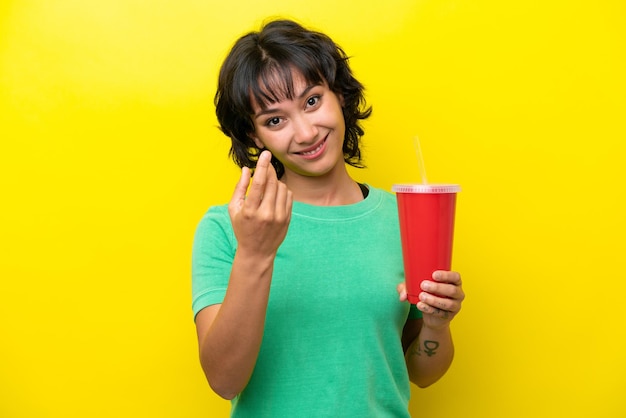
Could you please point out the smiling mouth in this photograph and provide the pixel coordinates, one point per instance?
(313, 151)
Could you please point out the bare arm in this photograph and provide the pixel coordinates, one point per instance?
(230, 334)
(429, 356)
(428, 345)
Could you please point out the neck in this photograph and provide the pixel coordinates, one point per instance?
(330, 190)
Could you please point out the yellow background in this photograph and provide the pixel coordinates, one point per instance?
(109, 155)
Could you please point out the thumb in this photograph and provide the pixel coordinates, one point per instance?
(401, 288)
(239, 194)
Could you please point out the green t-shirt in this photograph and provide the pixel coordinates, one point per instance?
(331, 345)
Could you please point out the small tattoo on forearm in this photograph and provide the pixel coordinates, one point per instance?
(430, 347)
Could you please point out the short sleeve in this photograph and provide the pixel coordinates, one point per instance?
(213, 252)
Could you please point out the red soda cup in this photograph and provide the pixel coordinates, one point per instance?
(426, 215)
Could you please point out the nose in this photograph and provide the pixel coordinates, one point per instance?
(304, 129)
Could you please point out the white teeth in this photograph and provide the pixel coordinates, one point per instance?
(314, 151)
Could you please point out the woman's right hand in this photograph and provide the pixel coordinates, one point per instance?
(260, 220)
(230, 333)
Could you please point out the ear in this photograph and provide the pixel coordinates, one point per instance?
(257, 141)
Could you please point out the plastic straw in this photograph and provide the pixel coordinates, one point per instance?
(420, 159)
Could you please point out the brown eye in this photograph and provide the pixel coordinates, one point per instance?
(312, 101)
(273, 121)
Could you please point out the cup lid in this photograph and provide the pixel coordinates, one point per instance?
(426, 188)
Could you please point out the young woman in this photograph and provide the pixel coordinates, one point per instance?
(296, 280)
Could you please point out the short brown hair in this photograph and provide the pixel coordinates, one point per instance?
(249, 72)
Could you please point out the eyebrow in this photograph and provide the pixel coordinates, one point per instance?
(269, 110)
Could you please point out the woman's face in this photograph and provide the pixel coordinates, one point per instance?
(306, 133)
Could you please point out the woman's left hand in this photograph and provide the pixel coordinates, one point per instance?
(440, 299)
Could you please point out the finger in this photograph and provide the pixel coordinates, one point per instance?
(447, 290)
(431, 310)
(401, 289)
(443, 303)
(283, 209)
(239, 194)
(289, 204)
(269, 196)
(443, 276)
(257, 187)
(446, 283)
